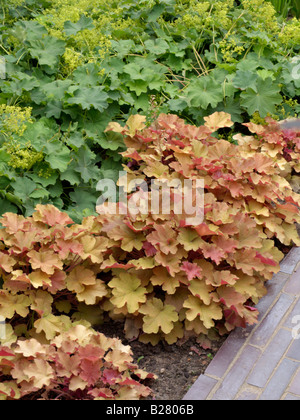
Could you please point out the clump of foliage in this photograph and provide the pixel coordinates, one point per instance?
(269, 140)
(50, 284)
(78, 67)
(166, 276)
(170, 276)
(77, 364)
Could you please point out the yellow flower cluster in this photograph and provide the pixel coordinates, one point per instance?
(22, 157)
(71, 60)
(263, 13)
(86, 45)
(204, 14)
(13, 123)
(290, 35)
(13, 119)
(45, 171)
(230, 50)
(257, 119)
(221, 9)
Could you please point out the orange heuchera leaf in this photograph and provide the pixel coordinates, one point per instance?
(200, 289)
(30, 348)
(158, 316)
(45, 260)
(57, 281)
(65, 247)
(218, 120)
(39, 279)
(91, 294)
(207, 313)
(231, 298)
(93, 248)
(11, 304)
(42, 302)
(171, 262)
(129, 239)
(24, 241)
(79, 278)
(136, 123)
(14, 223)
(7, 263)
(127, 290)
(162, 278)
(164, 237)
(51, 325)
(67, 365)
(213, 252)
(40, 373)
(192, 270)
(51, 216)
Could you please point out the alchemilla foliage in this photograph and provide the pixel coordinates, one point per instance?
(73, 68)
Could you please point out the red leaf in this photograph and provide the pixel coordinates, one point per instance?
(192, 270)
(110, 376)
(4, 353)
(149, 249)
(267, 261)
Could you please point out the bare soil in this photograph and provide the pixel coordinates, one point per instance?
(177, 366)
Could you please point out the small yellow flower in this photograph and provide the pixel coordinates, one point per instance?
(13, 119)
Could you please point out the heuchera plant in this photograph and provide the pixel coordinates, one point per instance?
(77, 364)
(166, 277)
(282, 145)
(170, 277)
(49, 267)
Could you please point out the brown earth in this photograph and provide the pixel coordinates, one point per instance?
(177, 366)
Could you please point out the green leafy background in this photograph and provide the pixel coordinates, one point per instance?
(80, 65)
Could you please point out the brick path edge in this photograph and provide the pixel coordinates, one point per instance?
(261, 362)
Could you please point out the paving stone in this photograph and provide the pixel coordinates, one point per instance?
(247, 394)
(227, 353)
(201, 388)
(272, 370)
(292, 286)
(295, 385)
(291, 397)
(280, 380)
(291, 322)
(236, 376)
(270, 358)
(274, 287)
(290, 261)
(272, 320)
(294, 350)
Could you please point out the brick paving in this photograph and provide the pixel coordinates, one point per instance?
(261, 362)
